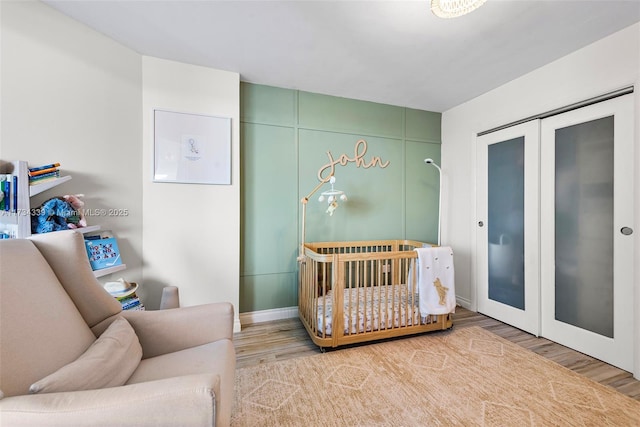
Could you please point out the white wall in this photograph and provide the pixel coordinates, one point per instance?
(609, 64)
(191, 232)
(72, 95)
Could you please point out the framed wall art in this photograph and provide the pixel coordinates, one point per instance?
(191, 148)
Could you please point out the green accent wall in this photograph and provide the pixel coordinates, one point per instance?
(285, 137)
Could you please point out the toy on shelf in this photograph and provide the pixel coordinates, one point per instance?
(77, 204)
(58, 213)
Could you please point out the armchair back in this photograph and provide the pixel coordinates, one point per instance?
(41, 329)
(65, 253)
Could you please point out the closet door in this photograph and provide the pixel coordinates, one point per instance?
(507, 226)
(586, 218)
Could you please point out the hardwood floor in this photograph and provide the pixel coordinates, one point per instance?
(284, 339)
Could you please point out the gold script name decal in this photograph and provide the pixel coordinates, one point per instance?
(358, 158)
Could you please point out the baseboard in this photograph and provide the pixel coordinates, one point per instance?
(237, 326)
(268, 315)
(463, 302)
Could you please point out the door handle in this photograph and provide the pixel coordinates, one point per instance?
(480, 224)
(627, 231)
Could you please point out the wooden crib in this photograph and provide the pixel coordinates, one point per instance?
(352, 292)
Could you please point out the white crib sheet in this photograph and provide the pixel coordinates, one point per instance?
(397, 308)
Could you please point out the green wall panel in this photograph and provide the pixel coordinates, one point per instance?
(422, 183)
(267, 104)
(266, 292)
(285, 138)
(269, 207)
(423, 125)
(342, 114)
(374, 209)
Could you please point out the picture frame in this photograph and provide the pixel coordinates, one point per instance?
(191, 148)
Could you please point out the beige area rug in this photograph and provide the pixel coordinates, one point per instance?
(461, 377)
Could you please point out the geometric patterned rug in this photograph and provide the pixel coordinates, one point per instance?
(459, 377)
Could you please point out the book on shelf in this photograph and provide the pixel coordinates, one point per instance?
(3, 179)
(125, 293)
(131, 302)
(44, 178)
(9, 190)
(44, 173)
(103, 252)
(7, 234)
(43, 167)
(15, 193)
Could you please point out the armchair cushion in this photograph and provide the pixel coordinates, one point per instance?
(178, 401)
(108, 362)
(216, 358)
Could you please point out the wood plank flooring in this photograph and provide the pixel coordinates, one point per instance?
(284, 339)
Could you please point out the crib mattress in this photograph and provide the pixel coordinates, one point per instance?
(370, 309)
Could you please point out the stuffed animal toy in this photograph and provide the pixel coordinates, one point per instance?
(59, 213)
(78, 220)
(51, 216)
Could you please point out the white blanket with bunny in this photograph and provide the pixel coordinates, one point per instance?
(436, 280)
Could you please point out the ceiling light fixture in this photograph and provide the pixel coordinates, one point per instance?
(454, 8)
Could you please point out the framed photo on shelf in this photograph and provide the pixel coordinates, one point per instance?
(191, 148)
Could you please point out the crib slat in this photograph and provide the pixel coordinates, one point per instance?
(337, 279)
(376, 274)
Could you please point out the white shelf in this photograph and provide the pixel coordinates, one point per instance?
(109, 270)
(18, 222)
(39, 188)
(88, 229)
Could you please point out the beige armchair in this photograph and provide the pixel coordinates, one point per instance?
(70, 356)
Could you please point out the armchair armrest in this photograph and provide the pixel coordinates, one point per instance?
(167, 402)
(167, 331)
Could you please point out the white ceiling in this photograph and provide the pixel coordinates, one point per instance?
(393, 52)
